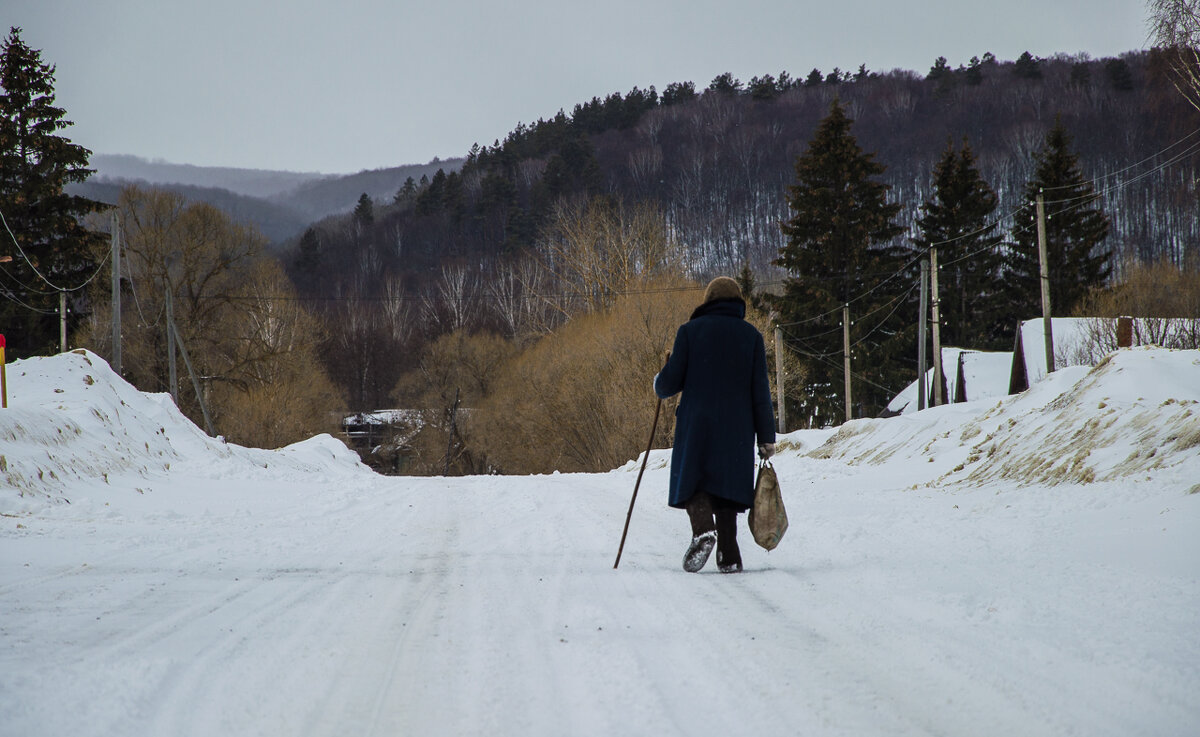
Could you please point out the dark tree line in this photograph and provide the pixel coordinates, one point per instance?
(45, 247)
(718, 164)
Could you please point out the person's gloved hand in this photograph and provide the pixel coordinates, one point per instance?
(766, 450)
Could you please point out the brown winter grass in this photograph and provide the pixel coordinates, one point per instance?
(581, 399)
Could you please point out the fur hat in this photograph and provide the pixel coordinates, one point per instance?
(722, 288)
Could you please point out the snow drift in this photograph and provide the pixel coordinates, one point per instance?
(71, 419)
(1135, 413)
(1023, 566)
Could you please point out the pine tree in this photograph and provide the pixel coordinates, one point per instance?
(1119, 76)
(1075, 230)
(841, 247)
(974, 75)
(940, 70)
(35, 166)
(678, 92)
(763, 88)
(1027, 67)
(725, 84)
(958, 222)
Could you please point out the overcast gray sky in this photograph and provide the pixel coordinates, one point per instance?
(312, 85)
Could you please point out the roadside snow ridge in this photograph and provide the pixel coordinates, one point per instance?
(71, 418)
(1136, 412)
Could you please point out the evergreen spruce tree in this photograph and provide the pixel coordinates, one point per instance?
(35, 166)
(309, 260)
(408, 192)
(842, 247)
(958, 222)
(364, 211)
(1075, 230)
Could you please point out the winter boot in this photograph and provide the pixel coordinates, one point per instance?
(729, 556)
(704, 532)
(698, 552)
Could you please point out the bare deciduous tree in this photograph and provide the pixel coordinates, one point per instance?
(597, 249)
(1175, 26)
(252, 345)
(452, 301)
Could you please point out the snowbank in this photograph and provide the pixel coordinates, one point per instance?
(70, 418)
(926, 585)
(1134, 413)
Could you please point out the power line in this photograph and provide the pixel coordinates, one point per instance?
(14, 298)
(1134, 166)
(41, 276)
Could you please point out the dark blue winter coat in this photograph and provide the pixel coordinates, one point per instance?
(720, 364)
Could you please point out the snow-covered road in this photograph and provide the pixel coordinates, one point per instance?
(207, 599)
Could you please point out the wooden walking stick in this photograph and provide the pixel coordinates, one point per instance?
(645, 458)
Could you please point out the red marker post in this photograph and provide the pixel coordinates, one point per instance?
(3, 380)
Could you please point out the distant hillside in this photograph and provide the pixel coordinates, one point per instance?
(276, 222)
(718, 161)
(250, 182)
(331, 195)
(280, 203)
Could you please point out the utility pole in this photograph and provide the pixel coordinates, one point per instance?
(921, 335)
(779, 379)
(62, 320)
(1047, 323)
(846, 355)
(453, 427)
(171, 374)
(195, 382)
(938, 396)
(116, 294)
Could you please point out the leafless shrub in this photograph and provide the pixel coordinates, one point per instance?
(1162, 299)
(581, 399)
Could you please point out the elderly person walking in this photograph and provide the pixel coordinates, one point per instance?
(719, 362)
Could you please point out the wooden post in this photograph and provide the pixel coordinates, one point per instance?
(62, 320)
(1124, 332)
(1047, 323)
(450, 437)
(172, 376)
(921, 335)
(116, 294)
(782, 419)
(846, 356)
(939, 378)
(3, 378)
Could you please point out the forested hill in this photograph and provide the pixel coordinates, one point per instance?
(718, 160)
(279, 203)
(465, 250)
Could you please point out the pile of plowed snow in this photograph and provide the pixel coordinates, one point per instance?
(70, 418)
(1136, 413)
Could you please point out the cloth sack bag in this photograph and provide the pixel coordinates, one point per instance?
(768, 519)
